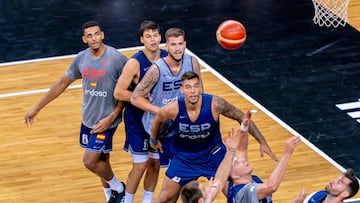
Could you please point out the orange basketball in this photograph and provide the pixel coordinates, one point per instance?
(231, 34)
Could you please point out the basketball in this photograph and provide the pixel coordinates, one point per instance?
(231, 34)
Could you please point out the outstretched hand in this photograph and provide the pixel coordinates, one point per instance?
(264, 148)
(291, 144)
(300, 197)
(211, 190)
(29, 118)
(233, 140)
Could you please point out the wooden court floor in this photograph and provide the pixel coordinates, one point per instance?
(43, 163)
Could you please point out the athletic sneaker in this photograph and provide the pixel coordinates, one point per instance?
(117, 197)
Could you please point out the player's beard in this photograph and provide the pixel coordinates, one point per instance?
(175, 59)
(96, 47)
(193, 100)
(330, 191)
(327, 189)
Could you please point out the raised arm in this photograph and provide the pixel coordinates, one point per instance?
(57, 88)
(233, 143)
(223, 171)
(221, 106)
(130, 73)
(139, 97)
(277, 175)
(242, 149)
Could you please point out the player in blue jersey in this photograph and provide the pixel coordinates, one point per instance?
(339, 189)
(99, 67)
(162, 82)
(195, 192)
(196, 145)
(137, 140)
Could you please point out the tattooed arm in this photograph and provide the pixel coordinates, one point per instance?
(139, 97)
(221, 106)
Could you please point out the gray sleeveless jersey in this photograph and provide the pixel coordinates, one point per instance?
(247, 194)
(167, 88)
(99, 77)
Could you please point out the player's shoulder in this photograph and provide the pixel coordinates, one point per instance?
(114, 51)
(217, 101)
(138, 54)
(214, 98)
(83, 52)
(171, 108)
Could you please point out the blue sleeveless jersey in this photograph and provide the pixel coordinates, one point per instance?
(195, 141)
(233, 190)
(317, 197)
(131, 112)
(167, 87)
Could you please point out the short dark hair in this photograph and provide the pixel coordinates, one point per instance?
(88, 24)
(189, 75)
(174, 32)
(148, 25)
(191, 192)
(354, 184)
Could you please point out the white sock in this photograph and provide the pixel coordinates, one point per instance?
(107, 192)
(115, 185)
(147, 197)
(129, 198)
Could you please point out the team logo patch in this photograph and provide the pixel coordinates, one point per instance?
(100, 136)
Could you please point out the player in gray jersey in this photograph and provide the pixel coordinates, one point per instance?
(337, 190)
(99, 67)
(162, 81)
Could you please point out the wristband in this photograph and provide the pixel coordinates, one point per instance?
(244, 128)
(151, 140)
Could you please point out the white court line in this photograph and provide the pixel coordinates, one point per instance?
(62, 57)
(207, 69)
(271, 115)
(13, 94)
(348, 106)
(355, 114)
(55, 58)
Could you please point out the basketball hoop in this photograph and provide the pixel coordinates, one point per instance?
(331, 12)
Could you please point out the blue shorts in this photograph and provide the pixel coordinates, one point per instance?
(167, 154)
(100, 142)
(137, 140)
(183, 171)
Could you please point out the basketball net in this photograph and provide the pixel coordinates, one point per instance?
(331, 12)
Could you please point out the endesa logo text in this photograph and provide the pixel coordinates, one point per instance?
(92, 73)
(95, 93)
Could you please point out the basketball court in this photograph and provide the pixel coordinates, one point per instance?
(303, 79)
